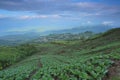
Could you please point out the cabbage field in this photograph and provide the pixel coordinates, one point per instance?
(66, 60)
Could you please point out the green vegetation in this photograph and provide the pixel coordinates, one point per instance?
(88, 59)
(64, 36)
(92, 68)
(10, 55)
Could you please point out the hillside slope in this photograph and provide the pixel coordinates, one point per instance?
(101, 40)
(90, 59)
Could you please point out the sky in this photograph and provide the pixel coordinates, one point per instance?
(43, 15)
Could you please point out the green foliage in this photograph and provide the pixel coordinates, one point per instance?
(62, 60)
(91, 69)
(19, 72)
(10, 55)
(27, 49)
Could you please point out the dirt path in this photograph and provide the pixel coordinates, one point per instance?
(34, 71)
(114, 71)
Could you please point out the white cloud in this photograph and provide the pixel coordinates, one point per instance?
(85, 4)
(2, 16)
(90, 14)
(39, 16)
(89, 22)
(107, 22)
(33, 17)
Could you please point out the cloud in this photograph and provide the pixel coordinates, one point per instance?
(66, 9)
(107, 22)
(2, 16)
(89, 22)
(54, 6)
(32, 17)
(29, 17)
(38, 16)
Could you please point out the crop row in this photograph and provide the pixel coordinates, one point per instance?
(93, 69)
(20, 72)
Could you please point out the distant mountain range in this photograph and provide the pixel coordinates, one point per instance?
(22, 37)
(18, 38)
(95, 29)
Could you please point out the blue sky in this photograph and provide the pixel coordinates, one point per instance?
(43, 15)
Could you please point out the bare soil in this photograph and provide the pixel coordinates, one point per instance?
(114, 71)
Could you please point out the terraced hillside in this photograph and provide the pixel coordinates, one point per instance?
(91, 59)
